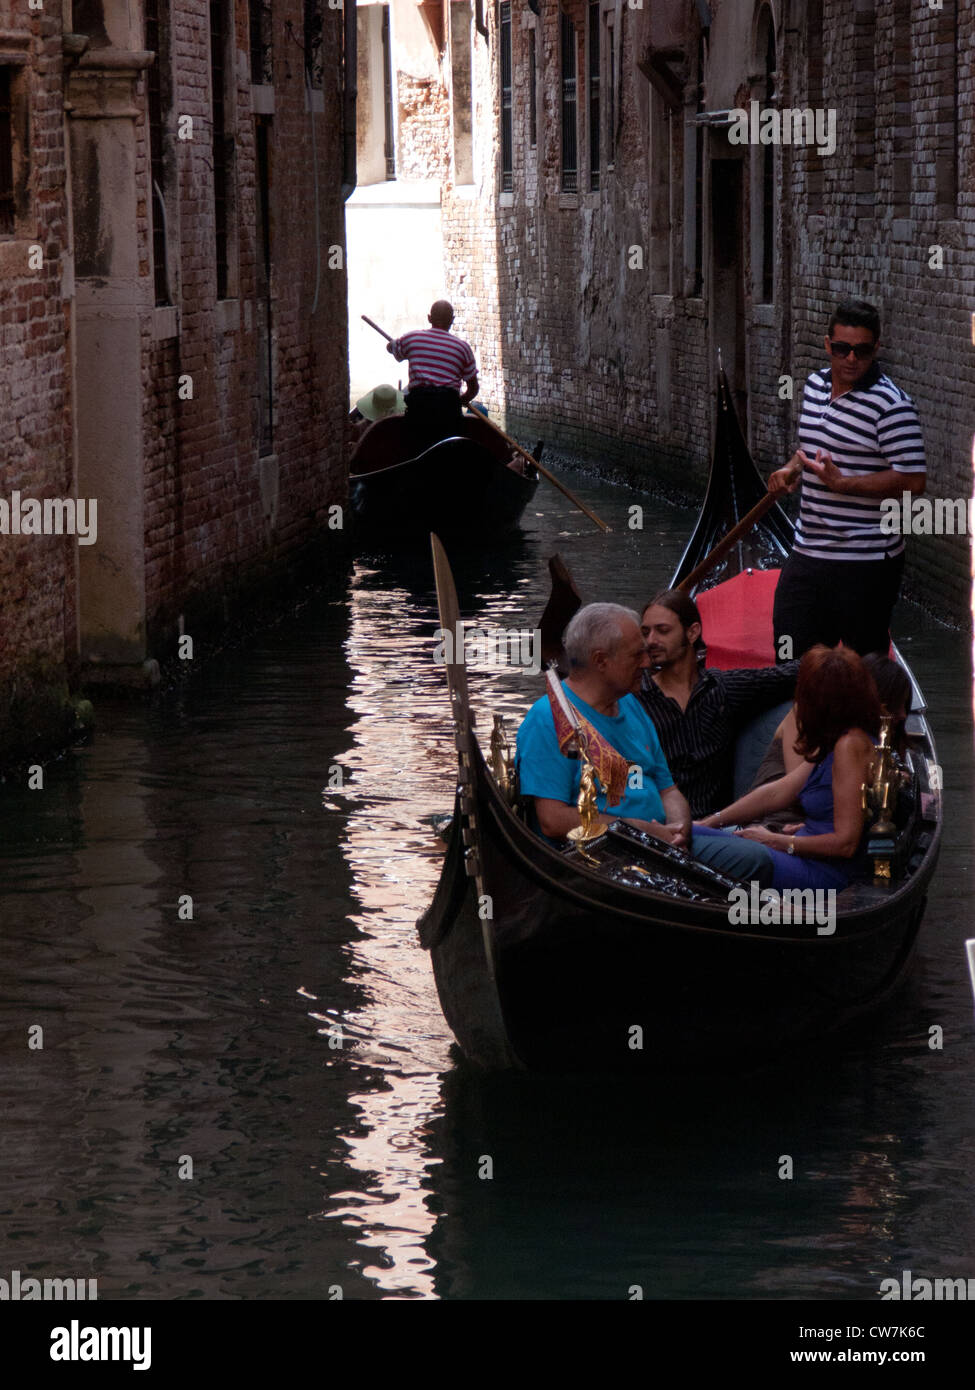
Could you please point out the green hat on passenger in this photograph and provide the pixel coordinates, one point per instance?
(381, 401)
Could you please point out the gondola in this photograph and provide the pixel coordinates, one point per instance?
(621, 954)
(403, 485)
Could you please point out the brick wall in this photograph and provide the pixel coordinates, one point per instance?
(860, 244)
(423, 117)
(618, 363)
(219, 521)
(563, 315)
(37, 573)
(210, 529)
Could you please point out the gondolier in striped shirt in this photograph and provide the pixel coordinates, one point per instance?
(440, 364)
(859, 442)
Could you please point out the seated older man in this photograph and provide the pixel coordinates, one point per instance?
(607, 656)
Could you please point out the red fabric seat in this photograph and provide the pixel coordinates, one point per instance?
(737, 619)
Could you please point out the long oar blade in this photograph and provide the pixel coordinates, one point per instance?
(452, 639)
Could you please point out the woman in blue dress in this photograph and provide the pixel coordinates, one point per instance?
(838, 720)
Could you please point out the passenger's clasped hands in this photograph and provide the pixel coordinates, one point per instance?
(758, 833)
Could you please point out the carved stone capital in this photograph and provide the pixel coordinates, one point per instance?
(103, 84)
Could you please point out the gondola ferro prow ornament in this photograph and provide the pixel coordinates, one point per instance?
(880, 793)
(502, 761)
(590, 829)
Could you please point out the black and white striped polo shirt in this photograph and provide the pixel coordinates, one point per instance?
(868, 429)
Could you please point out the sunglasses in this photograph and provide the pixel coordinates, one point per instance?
(861, 351)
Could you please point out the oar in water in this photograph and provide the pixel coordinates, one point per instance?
(550, 477)
(727, 542)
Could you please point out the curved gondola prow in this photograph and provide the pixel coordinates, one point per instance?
(460, 708)
(465, 986)
(734, 487)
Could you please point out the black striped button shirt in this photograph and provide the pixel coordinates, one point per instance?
(699, 742)
(866, 430)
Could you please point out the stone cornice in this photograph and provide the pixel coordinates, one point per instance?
(14, 46)
(115, 60)
(101, 85)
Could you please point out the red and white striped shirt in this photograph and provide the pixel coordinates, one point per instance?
(436, 357)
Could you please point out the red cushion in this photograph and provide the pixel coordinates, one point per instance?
(737, 619)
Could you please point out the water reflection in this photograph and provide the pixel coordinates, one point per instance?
(596, 1189)
(360, 1165)
(400, 772)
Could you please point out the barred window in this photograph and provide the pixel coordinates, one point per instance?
(902, 133)
(222, 142)
(768, 176)
(594, 95)
(265, 339)
(157, 82)
(532, 90)
(698, 277)
(815, 76)
(389, 143)
(7, 206)
(947, 109)
(865, 108)
(610, 91)
(262, 63)
(570, 139)
(314, 22)
(504, 55)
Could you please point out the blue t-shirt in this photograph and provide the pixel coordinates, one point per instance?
(544, 771)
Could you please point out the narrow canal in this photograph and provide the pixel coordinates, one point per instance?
(261, 1100)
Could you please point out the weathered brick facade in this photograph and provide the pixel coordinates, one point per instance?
(214, 481)
(220, 515)
(611, 349)
(37, 573)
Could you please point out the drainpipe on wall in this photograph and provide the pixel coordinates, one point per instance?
(349, 65)
(479, 23)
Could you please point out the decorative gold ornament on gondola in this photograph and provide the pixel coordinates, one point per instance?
(586, 804)
(880, 793)
(502, 761)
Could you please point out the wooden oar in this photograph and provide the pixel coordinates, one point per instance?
(449, 611)
(381, 331)
(727, 542)
(550, 477)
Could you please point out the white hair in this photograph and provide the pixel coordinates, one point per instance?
(597, 627)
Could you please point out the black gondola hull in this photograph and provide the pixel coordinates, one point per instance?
(456, 486)
(594, 976)
(545, 962)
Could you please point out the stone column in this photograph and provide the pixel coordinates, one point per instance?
(102, 106)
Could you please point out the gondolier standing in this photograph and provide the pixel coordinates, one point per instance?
(440, 364)
(859, 442)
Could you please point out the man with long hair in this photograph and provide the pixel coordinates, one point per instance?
(699, 713)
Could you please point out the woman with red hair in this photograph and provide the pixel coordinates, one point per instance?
(838, 719)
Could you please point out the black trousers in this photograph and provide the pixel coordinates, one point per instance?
(830, 601)
(433, 411)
